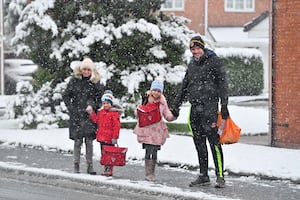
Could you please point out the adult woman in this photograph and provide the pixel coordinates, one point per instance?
(82, 91)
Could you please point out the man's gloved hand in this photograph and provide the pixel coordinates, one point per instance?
(224, 112)
(114, 141)
(175, 111)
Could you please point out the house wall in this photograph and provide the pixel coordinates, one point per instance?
(218, 16)
(285, 74)
(195, 11)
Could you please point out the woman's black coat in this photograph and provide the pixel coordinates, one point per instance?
(80, 93)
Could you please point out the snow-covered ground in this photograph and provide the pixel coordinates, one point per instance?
(239, 158)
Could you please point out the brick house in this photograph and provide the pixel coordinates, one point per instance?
(285, 98)
(219, 13)
(283, 32)
(223, 21)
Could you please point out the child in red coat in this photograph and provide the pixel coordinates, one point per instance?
(108, 121)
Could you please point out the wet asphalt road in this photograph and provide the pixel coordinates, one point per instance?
(237, 187)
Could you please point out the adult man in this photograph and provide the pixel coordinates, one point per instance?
(204, 85)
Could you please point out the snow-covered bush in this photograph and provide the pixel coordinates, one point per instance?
(131, 43)
(134, 37)
(43, 109)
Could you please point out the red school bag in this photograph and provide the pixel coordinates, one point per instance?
(113, 155)
(148, 114)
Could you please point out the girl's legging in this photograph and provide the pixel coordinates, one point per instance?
(151, 151)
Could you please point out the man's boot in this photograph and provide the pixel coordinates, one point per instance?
(90, 169)
(76, 168)
(202, 180)
(220, 183)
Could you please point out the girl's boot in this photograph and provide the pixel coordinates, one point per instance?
(149, 170)
(108, 170)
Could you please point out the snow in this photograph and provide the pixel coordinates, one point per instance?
(239, 158)
(19, 69)
(234, 35)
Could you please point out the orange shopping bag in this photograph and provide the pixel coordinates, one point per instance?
(231, 131)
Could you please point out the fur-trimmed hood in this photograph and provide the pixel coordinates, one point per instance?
(95, 76)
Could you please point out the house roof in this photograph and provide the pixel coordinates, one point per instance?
(234, 37)
(256, 21)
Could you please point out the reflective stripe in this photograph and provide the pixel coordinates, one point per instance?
(189, 120)
(219, 161)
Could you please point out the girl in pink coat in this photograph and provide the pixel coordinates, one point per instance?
(154, 135)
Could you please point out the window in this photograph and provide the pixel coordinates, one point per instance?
(239, 5)
(173, 5)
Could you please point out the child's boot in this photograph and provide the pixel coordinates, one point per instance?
(108, 171)
(149, 170)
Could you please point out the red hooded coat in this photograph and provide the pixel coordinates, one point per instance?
(108, 125)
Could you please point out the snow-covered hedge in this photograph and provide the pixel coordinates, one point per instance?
(244, 68)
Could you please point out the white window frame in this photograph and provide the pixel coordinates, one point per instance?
(173, 6)
(235, 9)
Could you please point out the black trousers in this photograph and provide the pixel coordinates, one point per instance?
(202, 123)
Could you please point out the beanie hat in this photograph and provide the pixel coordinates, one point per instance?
(197, 41)
(87, 63)
(107, 96)
(108, 92)
(156, 85)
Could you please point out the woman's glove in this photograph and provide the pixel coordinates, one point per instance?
(114, 141)
(89, 109)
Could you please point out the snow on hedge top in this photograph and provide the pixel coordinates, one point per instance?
(244, 52)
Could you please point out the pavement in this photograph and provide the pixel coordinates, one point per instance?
(264, 140)
(174, 178)
(171, 182)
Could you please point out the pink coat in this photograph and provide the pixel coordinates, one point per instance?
(157, 133)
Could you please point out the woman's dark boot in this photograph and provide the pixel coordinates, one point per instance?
(90, 169)
(76, 168)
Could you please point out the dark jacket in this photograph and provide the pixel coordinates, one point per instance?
(80, 93)
(204, 82)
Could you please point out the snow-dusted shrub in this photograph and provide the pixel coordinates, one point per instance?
(43, 109)
(137, 44)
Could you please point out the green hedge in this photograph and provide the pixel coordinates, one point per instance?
(178, 128)
(245, 78)
(245, 70)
